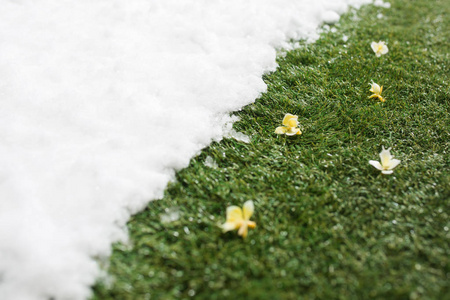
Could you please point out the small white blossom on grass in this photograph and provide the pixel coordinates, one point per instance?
(376, 90)
(290, 126)
(238, 218)
(387, 162)
(379, 48)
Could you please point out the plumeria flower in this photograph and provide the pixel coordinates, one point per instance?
(387, 162)
(379, 48)
(290, 126)
(238, 218)
(376, 90)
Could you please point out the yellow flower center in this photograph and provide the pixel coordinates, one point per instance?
(292, 123)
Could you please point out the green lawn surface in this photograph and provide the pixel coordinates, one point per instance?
(329, 225)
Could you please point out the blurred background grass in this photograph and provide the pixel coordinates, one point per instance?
(329, 225)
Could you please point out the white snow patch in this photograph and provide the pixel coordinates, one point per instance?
(330, 17)
(210, 163)
(381, 3)
(102, 101)
(230, 132)
(171, 214)
(238, 136)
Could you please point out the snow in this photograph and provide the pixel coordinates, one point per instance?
(210, 162)
(330, 17)
(381, 3)
(101, 101)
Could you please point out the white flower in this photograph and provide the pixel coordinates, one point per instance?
(379, 48)
(387, 162)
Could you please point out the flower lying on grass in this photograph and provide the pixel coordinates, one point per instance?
(290, 126)
(379, 48)
(387, 162)
(376, 90)
(238, 218)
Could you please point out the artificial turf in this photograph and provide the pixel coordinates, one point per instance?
(329, 225)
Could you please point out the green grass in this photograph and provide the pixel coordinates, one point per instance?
(329, 225)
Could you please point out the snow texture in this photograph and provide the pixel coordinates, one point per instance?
(101, 101)
(381, 3)
(210, 163)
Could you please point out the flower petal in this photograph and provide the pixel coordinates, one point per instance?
(394, 163)
(249, 208)
(234, 214)
(293, 122)
(243, 230)
(251, 224)
(281, 130)
(287, 118)
(293, 131)
(385, 156)
(376, 89)
(374, 46)
(227, 226)
(376, 164)
(387, 172)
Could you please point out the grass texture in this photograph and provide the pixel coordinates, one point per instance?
(329, 225)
